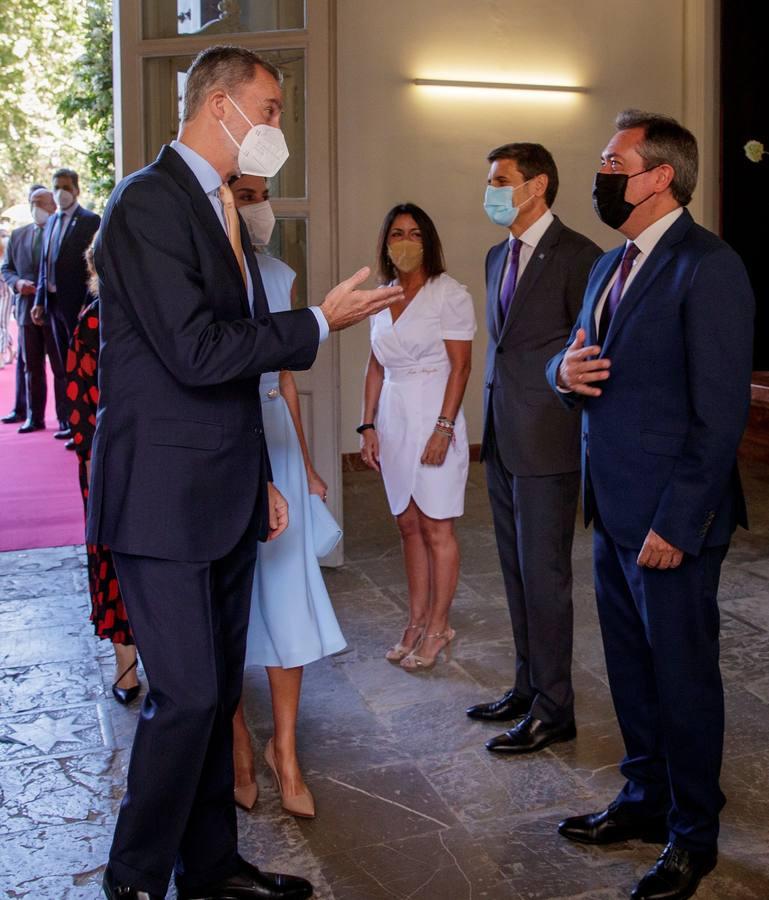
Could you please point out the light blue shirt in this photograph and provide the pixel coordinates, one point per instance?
(210, 181)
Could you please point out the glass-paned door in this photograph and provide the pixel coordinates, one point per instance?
(156, 42)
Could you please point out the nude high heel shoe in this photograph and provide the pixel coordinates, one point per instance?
(247, 794)
(414, 663)
(396, 653)
(301, 804)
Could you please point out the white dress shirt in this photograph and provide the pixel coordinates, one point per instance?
(646, 241)
(529, 240)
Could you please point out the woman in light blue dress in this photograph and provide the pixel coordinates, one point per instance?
(292, 622)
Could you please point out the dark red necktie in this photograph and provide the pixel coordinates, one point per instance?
(615, 294)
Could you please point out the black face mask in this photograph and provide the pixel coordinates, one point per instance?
(609, 198)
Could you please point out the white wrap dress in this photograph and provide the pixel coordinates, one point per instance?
(416, 370)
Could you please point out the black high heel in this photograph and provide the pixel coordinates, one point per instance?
(126, 695)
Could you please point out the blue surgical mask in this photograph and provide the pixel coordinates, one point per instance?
(499, 205)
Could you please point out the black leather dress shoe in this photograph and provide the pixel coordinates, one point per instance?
(676, 875)
(248, 883)
(608, 828)
(29, 425)
(12, 417)
(509, 706)
(115, 891)
(63, 434)
(70, 445)
(531, 735)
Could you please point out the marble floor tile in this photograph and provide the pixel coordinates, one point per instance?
(410, 804)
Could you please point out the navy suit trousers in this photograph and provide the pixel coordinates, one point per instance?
(660, 633)
(190, 621)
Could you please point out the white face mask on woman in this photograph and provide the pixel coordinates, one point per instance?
(260, 222)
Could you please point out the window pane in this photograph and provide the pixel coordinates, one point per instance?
(289, 243)
(164, 79)
(175, 18)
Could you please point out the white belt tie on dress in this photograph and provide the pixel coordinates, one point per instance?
(407, 373)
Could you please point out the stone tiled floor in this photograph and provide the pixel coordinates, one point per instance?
(410, 804)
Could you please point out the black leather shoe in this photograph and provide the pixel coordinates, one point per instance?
(63, 434)
(115, 891)
(676, 875)
(608, 828)
(126, 695)
(11, 418)
(531, 735)
(248, 883)
(509, 706)
(29, 425)
(70, 445)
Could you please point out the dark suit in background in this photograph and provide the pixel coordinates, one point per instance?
(531, 451)
(63, 305)
(659, 452)
(178, 491)
(22, 261)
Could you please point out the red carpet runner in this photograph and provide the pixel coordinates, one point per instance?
(40, 504)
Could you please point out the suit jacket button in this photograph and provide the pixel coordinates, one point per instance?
(500, 349)
(264, 320)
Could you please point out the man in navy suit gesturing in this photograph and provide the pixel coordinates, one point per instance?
(661, 359)
(180, 482)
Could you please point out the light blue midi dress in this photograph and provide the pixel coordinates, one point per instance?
(292, 620)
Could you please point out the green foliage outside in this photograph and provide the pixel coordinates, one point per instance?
(55, 95)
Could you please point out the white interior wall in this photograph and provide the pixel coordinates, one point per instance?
(399, 142)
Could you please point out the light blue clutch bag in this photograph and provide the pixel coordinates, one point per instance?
(326, 532)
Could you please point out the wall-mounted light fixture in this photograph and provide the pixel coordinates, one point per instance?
(499, 85)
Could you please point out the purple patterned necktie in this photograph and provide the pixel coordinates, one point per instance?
(615, 294)
(508, 288)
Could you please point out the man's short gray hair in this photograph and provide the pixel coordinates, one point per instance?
(225, 67)
(665, 141)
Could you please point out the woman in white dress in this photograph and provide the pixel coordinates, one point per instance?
(413, 427)
(292, 622)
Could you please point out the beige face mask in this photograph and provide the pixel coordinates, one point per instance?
(405, 255)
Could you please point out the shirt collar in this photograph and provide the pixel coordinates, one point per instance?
(648, 239)
(202, 169)
(533, 234)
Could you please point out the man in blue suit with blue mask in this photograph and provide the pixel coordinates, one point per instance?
(660, 358)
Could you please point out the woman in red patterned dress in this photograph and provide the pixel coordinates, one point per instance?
(108, 613)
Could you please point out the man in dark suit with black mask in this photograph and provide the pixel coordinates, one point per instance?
(660, 363)
(180, 482)
(63, 278)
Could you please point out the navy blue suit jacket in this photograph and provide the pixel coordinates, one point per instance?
(660, 443)
(179, 464)
(71, 272)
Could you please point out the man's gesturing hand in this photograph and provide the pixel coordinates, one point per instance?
(657, 553)
(345, 306)
(278, 512)
(577, 369)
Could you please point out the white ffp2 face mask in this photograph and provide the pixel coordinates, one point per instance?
(64, 198)
(260, 222)
(40, 215)
(262, 151)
